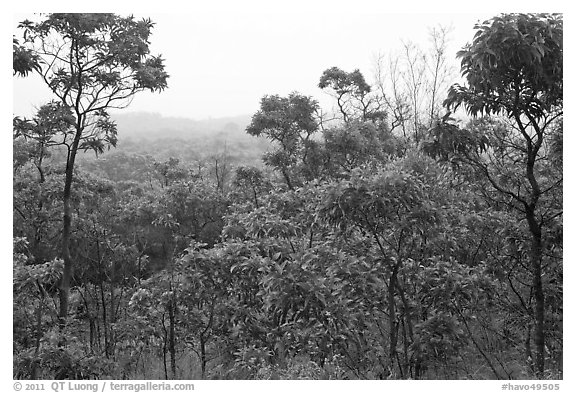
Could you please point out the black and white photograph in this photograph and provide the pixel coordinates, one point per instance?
(280, 194)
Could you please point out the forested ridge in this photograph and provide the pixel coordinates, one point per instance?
(412, 231)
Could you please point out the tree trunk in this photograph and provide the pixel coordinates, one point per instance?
(165, 348)
(393, 336)
(172, 339)
(104, 319)
(536, 264)
(255, 197)
(203, 356)
(67, 224)
(67, 271)
(39, 224)
(536, 248)
(407, 328)
(38, 330)
(287, 178)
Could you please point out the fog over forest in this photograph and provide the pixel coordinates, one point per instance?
(403, 222)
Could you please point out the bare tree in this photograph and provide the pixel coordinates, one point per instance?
(412, 82)
(439, 70)
(221, 168)
(388, 83)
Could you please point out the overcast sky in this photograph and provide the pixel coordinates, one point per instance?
(222, 63)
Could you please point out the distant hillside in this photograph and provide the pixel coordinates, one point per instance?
(154, 125)
(143, 133)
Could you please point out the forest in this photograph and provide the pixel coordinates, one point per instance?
(412, 231)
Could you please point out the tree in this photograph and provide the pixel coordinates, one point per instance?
(345, 86)
(290, 122)
(24, 60)
(358, 143)
(514, 68)
(353, 94)
(92, 63)
(414, 79)
(438, 68)
(221, 168)
(389, 208)
(250, 182)
(410, 82)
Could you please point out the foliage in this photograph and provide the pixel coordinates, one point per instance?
(513, 64)
(355, 252)
(352, 94)
(514, 68)
(91, 63)
(289, 122)
(24, 60)
(358, 143)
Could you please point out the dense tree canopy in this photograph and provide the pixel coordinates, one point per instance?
(514, 68)
(91, 62)
(376, 242)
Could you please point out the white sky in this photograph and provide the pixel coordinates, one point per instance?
(223, 56)
(221, 64)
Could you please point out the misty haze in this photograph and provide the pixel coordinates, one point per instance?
(279, 197)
